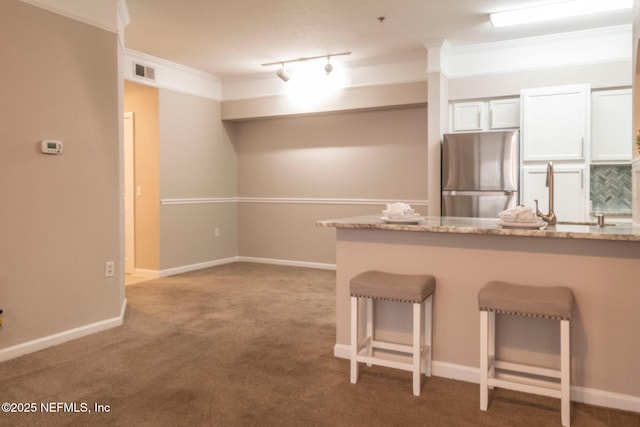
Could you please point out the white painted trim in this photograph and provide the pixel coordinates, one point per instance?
(97, 14)
(456, 372)
(198, 201)
(147, 274)
(290, 263)
(595, 46)
(470, 374)
(321, 201)
(198, 266)
(173, 76)
(605, 398)
(62, 337)
(155, 274)
(286, 200)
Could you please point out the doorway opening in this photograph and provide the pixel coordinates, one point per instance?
(129, 195)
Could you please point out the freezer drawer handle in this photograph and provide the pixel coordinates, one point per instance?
(477, 193)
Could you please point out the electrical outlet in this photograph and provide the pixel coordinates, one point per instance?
(109, 269)
(216, 232)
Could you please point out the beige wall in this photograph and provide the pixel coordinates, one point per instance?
(186, 167)
(379, 155)
(197, 161)
(613, 74)
(60, 213)
(346, 99)
(143, 102)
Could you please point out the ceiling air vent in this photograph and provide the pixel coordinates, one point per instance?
(143, 71)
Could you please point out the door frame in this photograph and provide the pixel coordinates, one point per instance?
(129, 193)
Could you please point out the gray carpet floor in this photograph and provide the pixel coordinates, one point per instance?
(247, 345)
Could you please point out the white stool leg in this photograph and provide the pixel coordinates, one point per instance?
(428, 326)
(417, 337)
(565, 371)
(484, 359)
(354, 339)
(492, 345)
(370, 327)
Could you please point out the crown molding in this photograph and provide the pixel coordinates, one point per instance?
(173, 76)
(111, 15)
(600, 45)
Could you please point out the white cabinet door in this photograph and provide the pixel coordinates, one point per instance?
(504, 113)
(570, 192)
(555, 123)
(612, 134)
(468, 116)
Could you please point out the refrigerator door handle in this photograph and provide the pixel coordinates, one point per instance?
(478, 193)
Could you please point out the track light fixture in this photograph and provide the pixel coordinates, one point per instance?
(284, 74)
(328, 68)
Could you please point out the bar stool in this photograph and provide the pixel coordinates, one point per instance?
(378, 285)
(545, 302)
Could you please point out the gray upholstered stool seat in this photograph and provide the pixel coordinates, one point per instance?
(536, 301)
(392, 287)
(548, 302)
(377, 285)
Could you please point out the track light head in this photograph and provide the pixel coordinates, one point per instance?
(328, 68)
(283, 74)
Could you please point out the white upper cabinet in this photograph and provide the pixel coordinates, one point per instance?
(485, 115)
(555, 123)
(504, 113)
(611, 131)
(468, 116)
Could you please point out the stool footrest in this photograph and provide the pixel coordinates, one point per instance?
(527, 369)
(525, 385)
(385, 345)
(381, 361)
(385, 362)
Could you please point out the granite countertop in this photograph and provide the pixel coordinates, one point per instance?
(619, 231)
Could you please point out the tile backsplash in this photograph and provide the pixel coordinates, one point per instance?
(611, 189)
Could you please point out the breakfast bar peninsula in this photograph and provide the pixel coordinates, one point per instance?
(600, 264)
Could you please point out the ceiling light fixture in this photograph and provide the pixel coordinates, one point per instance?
(284, 74)
(328, 68)
(552, 11)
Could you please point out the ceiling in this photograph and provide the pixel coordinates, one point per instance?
(232, 38)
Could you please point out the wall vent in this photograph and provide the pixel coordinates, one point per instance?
(143, 71)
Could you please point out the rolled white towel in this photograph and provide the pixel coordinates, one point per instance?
(518, 214)
(398, 210)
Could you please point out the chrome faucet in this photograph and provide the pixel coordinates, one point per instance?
(550, 218)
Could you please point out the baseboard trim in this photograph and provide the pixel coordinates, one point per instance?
(155, 274)
(287, 262)
(62, 337)
(470, 374)
(147, 274)
(605, 398)
(198, 266)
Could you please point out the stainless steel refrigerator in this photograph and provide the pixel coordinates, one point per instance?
(480, 173)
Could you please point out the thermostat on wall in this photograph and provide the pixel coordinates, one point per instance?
(49, 146)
